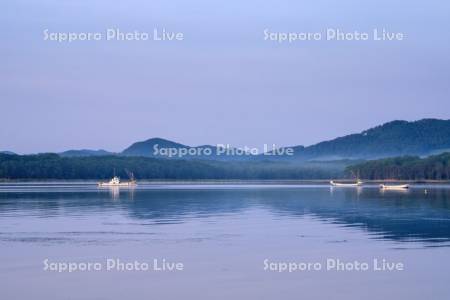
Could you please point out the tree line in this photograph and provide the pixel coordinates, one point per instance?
(435, 167)
(53, 166)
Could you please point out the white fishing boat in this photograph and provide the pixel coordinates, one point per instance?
(115, 181)
(342, 184)
(394, 187)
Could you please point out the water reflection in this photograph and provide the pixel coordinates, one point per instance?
(114, 191)
(399, 191)
(412, 215)
(392, 215)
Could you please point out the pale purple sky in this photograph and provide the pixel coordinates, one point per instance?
(223, 83)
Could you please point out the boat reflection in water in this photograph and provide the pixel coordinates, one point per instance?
(116, 191)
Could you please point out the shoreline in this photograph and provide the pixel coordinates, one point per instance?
(226, 182)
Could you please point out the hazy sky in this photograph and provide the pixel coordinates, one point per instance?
(223, 83)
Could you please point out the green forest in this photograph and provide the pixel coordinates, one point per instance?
(53, 166)
(435, 167)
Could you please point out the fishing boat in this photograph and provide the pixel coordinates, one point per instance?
(115, 181)
(394, 187)
(357, 183)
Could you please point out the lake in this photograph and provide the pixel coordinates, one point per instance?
(199, 241)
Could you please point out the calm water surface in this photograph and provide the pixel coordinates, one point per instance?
(223, 234)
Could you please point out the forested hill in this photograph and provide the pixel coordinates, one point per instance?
(435, 167)
(396, 138)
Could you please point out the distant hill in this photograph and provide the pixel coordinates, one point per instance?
(162, 148)
(84, 152)
(396, 138)
(7, 152)
(146, 148)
